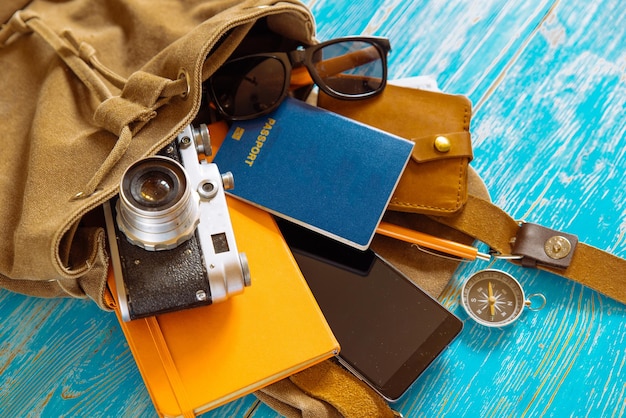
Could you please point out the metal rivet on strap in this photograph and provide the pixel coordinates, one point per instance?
(442, 144)
(557, 247)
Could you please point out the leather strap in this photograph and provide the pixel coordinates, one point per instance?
(536, 246)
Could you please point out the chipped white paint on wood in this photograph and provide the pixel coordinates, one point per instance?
(548, 83)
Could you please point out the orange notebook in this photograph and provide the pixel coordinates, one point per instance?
(195, 360)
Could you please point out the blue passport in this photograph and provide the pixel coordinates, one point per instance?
(316, 168)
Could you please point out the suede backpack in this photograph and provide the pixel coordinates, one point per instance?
(88, 87)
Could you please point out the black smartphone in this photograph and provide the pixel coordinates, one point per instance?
(389, 329)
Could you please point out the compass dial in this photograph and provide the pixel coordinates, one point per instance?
(493, 298)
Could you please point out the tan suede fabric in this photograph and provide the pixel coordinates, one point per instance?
(87, 88)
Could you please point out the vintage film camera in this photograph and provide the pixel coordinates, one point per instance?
(171, 240)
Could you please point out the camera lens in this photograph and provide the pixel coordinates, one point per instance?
(155, 185)
(154, 190)
(157, 209)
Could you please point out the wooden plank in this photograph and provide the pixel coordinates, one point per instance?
(64, 355)
(462, 45)
(549, 138)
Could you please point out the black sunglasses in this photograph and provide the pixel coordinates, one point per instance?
(346, 68)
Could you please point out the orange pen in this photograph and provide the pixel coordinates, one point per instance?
(428, 241)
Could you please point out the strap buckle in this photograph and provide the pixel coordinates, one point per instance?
(538, 245)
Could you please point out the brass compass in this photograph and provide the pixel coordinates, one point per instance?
(494, 298)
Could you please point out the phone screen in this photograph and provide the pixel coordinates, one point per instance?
(389, 330)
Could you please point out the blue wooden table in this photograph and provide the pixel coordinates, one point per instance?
(548, 84)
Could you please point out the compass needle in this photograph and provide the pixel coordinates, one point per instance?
(492, 301)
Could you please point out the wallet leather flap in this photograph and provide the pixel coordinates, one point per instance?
(441, 146)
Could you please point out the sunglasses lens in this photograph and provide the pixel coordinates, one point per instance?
(249, 87)
(351, 68)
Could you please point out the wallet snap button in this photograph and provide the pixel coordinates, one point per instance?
(442, 144)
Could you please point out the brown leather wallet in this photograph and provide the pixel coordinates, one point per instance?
(435, 179)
